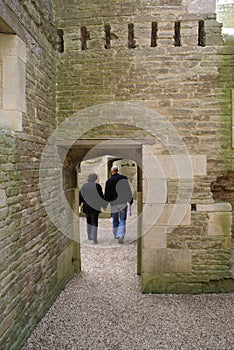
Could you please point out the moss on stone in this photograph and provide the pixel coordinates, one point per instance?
(156, 286)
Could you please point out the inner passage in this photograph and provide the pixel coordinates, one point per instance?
(101, 166)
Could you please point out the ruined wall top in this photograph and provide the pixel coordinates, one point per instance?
(225, 15)
(200, 6)
(192, 6)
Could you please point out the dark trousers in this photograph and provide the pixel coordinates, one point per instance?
(92, 225)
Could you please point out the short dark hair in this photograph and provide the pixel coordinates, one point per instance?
(92, 177)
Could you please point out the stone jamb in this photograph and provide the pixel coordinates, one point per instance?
(13, 81)
(232, 117)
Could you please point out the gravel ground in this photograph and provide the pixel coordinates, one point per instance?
(103, 308)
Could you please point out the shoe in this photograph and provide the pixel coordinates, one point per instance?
(95, 242)
(117, 237)
(120, 240)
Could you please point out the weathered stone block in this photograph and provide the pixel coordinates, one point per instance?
(2, 198)
(3, 213)
(64, 264)
(155, 190)
(14, 84)
(166, 214)
(176, 166)
(199, 6)
(155, 236)
(12, 45)
(160, 261)
(152, 283)
(215, 207)
(220, 224)
(11, 119)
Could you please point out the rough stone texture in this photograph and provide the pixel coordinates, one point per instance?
(199, 6)
(1, 82)
(223, 189)
(189, 86)
(225, 13)
(29, 243)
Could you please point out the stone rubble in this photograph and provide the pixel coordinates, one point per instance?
(103, 308)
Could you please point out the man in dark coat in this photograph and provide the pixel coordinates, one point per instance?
(118, 193)
(92, 197)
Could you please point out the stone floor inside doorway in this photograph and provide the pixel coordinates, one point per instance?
(103, 309)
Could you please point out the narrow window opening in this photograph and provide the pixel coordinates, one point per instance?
(107, 36)
(194, 207)
(154, 31)
(201, 33)
(84, 37)
(177, 35)
(131, 41)
(60, 40)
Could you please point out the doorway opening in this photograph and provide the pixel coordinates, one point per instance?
(89, 156)
(99, 162)
(101, 166)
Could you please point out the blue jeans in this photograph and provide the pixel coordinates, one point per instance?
(119, 216)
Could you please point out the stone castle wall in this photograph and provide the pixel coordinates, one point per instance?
(33, 252)
(188, 81)
(189, 85)
(225, 13)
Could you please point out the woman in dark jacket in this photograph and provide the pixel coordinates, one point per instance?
(91, 196)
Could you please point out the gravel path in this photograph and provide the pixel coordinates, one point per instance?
(103, 308)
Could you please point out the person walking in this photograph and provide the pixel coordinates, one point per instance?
(118, 193)
(91, 195)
